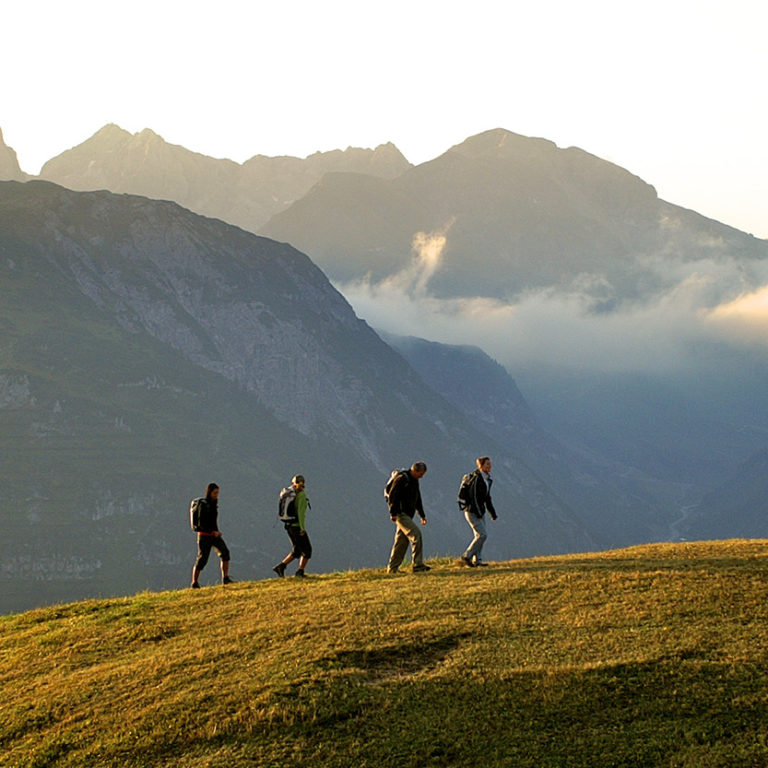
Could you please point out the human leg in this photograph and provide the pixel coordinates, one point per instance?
(410, 530)
(399, 548)
(477, 524)
(223, 552)
(204, 544)
(304, 546)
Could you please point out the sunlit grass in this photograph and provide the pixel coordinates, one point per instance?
(652, 656)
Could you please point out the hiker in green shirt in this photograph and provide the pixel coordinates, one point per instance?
(292, 511)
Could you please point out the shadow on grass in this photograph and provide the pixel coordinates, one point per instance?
(670, 712)
(394, 660)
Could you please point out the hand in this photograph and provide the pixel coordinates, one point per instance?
(302, 533)
(423, 520)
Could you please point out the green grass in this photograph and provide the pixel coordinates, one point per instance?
(651, 656)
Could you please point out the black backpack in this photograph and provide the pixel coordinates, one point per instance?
(194, 513)
(466, 495)
(391, 482)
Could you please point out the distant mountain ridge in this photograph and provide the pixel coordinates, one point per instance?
(246, 194)
(736, 507)
(518, 214)
(613, 509)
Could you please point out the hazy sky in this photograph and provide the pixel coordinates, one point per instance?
(672, 90)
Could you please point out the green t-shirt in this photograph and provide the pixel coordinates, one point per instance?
(300, 505)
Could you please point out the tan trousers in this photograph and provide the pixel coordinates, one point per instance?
(407, 530)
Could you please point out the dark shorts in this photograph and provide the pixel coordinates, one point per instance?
(204, 546)
(302, 547)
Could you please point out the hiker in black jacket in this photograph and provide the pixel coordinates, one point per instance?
(209, 537)
(404, 502)
(479, 501)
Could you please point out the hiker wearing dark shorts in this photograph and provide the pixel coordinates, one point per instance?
(204, 520)
(292, 511)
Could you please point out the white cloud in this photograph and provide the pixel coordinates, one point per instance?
(704, 303)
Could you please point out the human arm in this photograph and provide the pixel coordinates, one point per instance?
(301, 503)
(420, 508)
(489, 506)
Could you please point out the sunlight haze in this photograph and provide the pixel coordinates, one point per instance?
(671, 91)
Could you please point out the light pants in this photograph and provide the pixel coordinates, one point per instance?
(477, 524)
(407, 530)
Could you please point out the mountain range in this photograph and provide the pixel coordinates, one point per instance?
(246, 194)
(628, 418)
(147, 351)
(517, 215)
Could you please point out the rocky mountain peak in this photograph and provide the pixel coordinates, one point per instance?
(246, 194)
(9, 164)
(500, 142)
(111, 131)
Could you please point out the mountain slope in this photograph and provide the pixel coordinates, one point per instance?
(246, 195)
(518, 214)
(738, 505)
(9, 163)
(594, 293)
(147, 351)
(613, 501)
(648, 657)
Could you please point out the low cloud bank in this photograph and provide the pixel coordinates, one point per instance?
(698, 304)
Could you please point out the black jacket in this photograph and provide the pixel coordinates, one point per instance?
(405, 496)
(481, 498)
(208, 516)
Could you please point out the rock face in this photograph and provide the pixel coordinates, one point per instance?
(147, 351)
(518, 214)
(246, 195)
(9, 164)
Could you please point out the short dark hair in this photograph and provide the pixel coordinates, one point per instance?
(210, 489)
(482, 460)
(419, 466)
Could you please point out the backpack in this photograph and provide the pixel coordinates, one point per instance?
(286, 505)
(391, 482)
(194, 513)
(466, 495)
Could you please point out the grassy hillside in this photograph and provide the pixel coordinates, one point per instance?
(651, 656)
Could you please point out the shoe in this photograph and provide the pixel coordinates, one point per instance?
(194, 585)
(300, 575)
(227, 580)
(422, 567)
(393, 570)
(480, 564)
(279, 569)
(466, 561)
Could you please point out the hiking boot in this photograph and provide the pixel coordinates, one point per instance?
(466, 561)
(279, 569)
(301, 575)
(480, 564)
(227, 580)
(194, 585)
(393, 570)
(422, 567)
